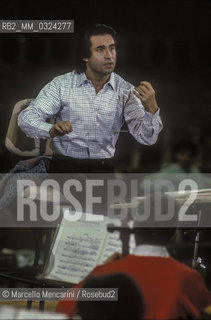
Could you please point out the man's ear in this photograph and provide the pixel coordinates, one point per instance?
(85, 59)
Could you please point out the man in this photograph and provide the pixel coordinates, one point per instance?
(170, 289)
(89, 109)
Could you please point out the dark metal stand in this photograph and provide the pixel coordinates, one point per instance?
(42, 248)
(196, 248)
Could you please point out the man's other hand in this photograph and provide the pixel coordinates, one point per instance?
(60, 128)
(146, 94)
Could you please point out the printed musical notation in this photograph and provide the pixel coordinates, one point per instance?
(79, 247)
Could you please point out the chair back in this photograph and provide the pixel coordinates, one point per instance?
(16, 140)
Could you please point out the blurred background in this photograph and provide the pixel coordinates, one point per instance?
(167, 43)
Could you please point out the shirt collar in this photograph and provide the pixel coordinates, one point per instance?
(111, 81)
(83, 78)
(151, 251)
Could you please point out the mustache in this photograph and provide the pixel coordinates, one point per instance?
(109, 61)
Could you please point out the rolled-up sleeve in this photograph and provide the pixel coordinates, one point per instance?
(143, 125)
(32, 120)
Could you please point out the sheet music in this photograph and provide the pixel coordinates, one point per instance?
(132, 243)
(112, 244)
(80, 246)
(77, 249)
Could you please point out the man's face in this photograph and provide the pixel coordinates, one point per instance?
(103, 55)
(184, 157)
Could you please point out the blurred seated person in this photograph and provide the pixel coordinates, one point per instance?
(128, 306)
(183, 156)
(182, 167)
(170, 289)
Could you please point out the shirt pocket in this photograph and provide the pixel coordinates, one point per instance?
(110, 117)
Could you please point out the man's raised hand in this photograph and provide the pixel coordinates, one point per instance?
(146, 94)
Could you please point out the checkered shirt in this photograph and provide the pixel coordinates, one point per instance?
(96, 118)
